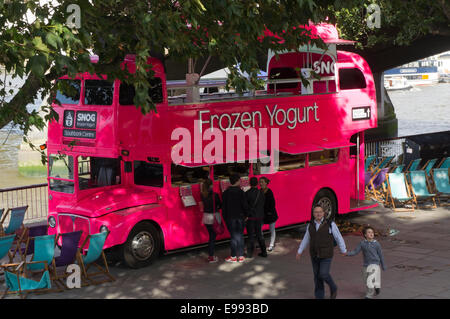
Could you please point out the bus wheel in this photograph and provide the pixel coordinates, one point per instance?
(325, 198)
(142, 246)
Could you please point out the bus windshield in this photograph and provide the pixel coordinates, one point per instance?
(98, 172)
(61, 173)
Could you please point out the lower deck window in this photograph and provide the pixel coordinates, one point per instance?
(323, 157)
(148, 174)
(61, 166)
(98, 171)
(224, 171)
(182, 175)
(288, 162)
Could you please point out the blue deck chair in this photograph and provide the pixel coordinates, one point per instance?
(413, 165)
(398, 190)
(419, 186)
(441, 182)
(384, 163)
(6, 243)
(369, 160)
(398, 169)
(16, 220)
(429, 165)
(445, 163)
(94, 252)
(44, 251)
(17, 283)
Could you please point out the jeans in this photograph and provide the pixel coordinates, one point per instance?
(321, 269)
(212, 239)
(236, 229)
(254, 229)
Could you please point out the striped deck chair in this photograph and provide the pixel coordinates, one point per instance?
(413, 165)
(420, 188)
(398, 191)
(441, 184)
(445, 163)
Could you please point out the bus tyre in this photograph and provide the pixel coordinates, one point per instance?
(142, 246)
(326, 199)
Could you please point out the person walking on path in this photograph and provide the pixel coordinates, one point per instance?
(235, 211)
(320, 236)
(211, 206)
(255, 200)
(372, 260)
(270, 212)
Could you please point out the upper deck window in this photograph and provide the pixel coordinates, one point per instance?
(98, 92)
(283, 73)
(127, 92)
(69, 92)
(351, 78)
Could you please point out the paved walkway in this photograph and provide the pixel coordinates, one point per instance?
(418, 261)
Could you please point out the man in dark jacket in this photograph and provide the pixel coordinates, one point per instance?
(255, 199)
(234, 211)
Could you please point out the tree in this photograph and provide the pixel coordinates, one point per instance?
(38, 42)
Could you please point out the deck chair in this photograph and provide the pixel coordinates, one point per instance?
(44, 251)
(368, 162)
(445, 163)
(420, 188)
(68, 255)
(413, 165)
(398, 169)
(441, 183)
(374, 189)
(94, 252)
(17, 283)
(385, 162)
(15, 222)
(398, 190)
(6, 242)
(32, 232)
(1, 212)
(429, 165)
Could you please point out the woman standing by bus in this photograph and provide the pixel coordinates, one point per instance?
(270, 212)
(211, 205)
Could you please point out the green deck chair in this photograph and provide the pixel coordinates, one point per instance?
(369, 160)
(6, 243)
(16, 220)
(420, 187)
(44, 251)
(16, 283)
(398, 190)
(413, 165)
(429, 165)
(445, 163)
(441, 181)
(398, 169)
(94, 252)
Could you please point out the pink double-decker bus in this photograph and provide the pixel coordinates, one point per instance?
(111, 168)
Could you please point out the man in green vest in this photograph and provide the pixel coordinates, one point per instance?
(320, 235)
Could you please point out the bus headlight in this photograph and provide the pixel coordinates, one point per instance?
(104, 229)
(52, 222)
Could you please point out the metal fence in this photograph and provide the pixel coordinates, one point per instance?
(383, 148)
(35, 196)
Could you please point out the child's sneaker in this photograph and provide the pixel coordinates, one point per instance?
(231, 259)
(241, 259)
(270, 248)
(213, 259)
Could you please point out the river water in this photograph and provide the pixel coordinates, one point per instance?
(424, 109)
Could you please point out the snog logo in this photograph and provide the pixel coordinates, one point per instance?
(374, 18)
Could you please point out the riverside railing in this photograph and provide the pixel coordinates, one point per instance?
(35, 196)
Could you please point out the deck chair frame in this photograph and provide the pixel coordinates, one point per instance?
(88, 277)
(391, 200)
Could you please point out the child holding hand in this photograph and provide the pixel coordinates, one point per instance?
(373, 259)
